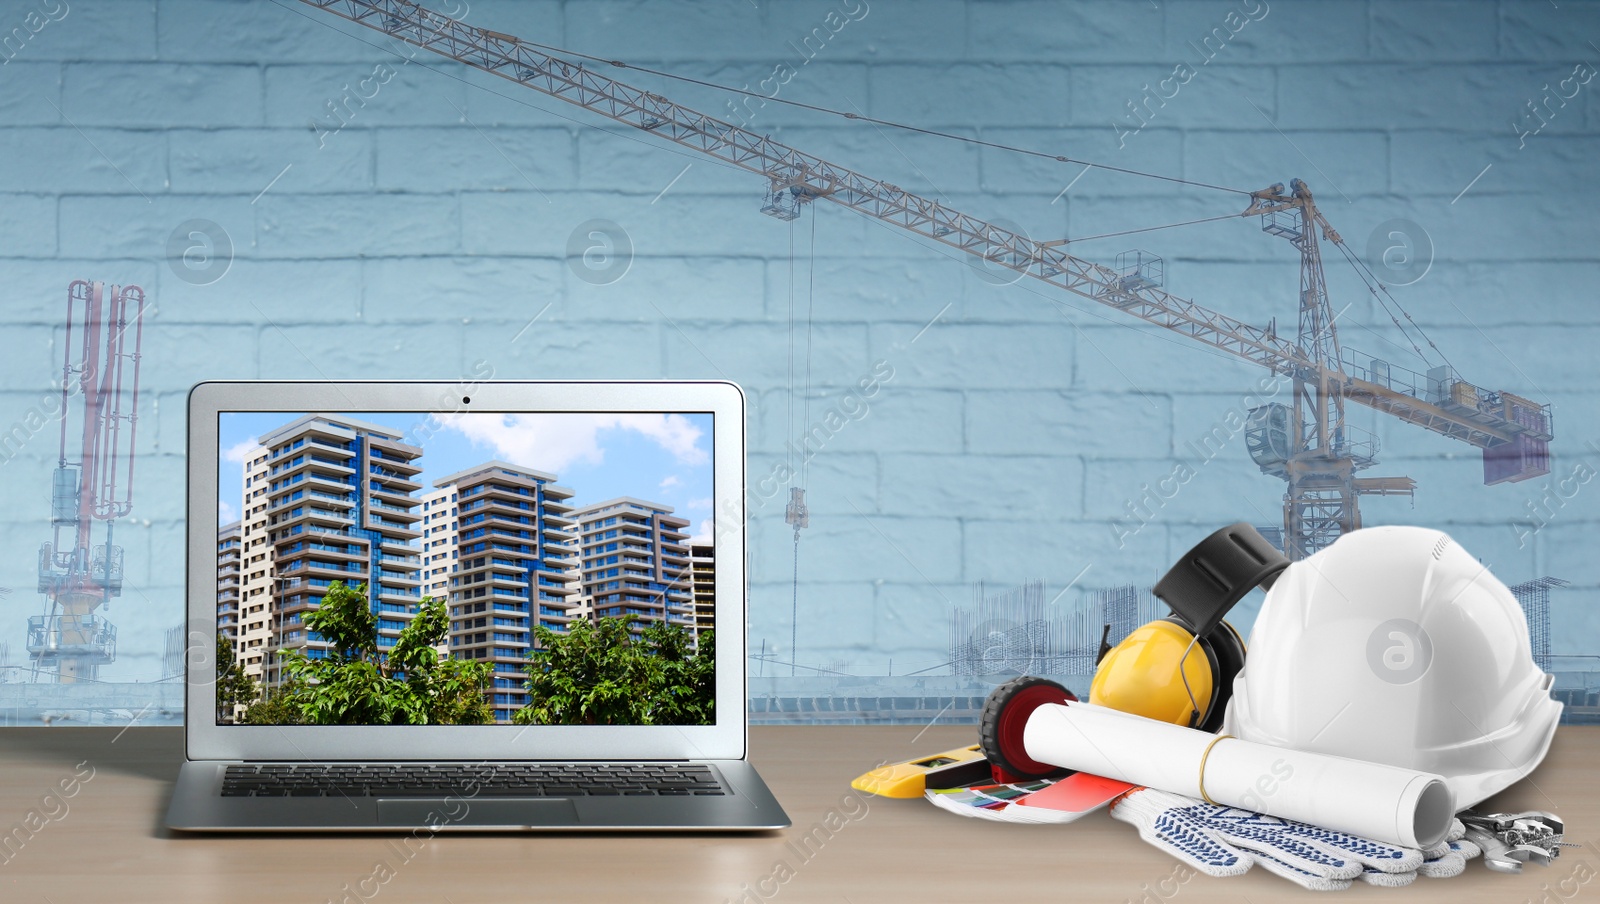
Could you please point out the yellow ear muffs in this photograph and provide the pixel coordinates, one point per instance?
(1140, 675)
(1181, 669)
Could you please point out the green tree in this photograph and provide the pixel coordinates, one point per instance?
(234, 687)
(685, 673)
(357, 685)
(273, 709)
(602, 673)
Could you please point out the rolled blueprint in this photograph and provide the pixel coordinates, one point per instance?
(1384, 803)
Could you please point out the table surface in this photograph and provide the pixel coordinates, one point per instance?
(106, 843)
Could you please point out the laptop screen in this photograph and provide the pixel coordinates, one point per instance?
(467, 568)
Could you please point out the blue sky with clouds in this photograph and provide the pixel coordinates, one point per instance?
(660, 457)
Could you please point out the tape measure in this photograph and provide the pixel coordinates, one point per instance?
(1005, 715)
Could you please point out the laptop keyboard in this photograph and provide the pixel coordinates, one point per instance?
(472, 780)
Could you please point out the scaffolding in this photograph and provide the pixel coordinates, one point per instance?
(173, 653)
(1003, 634)
(1534, 597)
(1012, 633)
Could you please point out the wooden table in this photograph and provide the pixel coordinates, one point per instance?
(107, 843)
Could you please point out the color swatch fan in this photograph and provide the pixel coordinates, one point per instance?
(1043, 801)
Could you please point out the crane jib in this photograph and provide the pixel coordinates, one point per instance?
(808, 176)
(1445, 405)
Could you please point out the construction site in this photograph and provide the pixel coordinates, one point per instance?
(1307, 442)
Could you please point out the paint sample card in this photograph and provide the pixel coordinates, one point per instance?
(1072, 797)
(992, 802)
(1005, 802)
(1044, 801)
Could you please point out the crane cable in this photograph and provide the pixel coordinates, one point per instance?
(845, 114)
(789, 424)
(794, 587)
(1374, 287)
(1108, 235)
(795, 511)
(861, 117)
(1379, 292)
(1372, 290)
(1362, 265)
(811, 287)
(794, 610)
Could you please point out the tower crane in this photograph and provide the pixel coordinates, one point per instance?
(93, 481)
(1307, 443)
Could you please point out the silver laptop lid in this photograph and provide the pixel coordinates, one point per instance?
(373, 496)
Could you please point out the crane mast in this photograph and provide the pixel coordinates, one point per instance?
(1320, 453)
(1309, 444)
(76, 574)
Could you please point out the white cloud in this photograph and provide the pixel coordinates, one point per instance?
(240, 452)
(669, 481)
(672, 432)
(226, 513)
(703, 532)
(551, 442)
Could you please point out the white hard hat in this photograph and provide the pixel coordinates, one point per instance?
(1394, 645)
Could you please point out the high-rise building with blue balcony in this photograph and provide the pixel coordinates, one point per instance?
(500, 543)
(228, 556)
(636, 562)
(326, 498)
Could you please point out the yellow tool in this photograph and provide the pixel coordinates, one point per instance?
(951, 769)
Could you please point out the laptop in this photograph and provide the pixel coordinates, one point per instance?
(469, 606)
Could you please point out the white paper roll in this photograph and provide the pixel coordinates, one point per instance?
(1384, 803)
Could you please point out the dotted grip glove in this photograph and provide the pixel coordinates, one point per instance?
(1225, 841)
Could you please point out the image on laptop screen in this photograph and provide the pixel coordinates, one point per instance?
(465, 568)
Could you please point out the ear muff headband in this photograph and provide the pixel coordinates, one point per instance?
(1201, 709)
(1216, 574)
(1229, 651)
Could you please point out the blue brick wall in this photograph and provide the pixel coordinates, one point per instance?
(420, 235)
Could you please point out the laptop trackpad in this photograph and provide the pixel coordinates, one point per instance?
(445, 813)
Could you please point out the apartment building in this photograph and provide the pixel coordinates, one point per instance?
(703, 563)
(438, 541)
(228, 557)
(327, 498)
(256, 582)
(636, 561)
(583, 608)
(500, 543)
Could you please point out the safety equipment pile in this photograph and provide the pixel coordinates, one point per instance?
(1388, 685)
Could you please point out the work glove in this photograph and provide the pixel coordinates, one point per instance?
(1445, 859)
(1227, 841)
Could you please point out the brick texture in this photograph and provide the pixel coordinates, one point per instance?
(399, 216)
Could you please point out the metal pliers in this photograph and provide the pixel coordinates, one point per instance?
(1512, 839)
